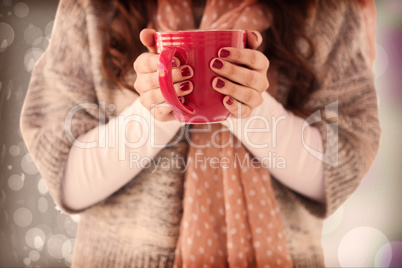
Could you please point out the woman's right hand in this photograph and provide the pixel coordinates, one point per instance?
(147, 84)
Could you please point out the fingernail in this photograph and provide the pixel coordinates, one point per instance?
(220, 83)
(185, 86)
(174, 64)
(217, 64)
(255, 36)
(230, 101)
(224, 53)
(185, 72)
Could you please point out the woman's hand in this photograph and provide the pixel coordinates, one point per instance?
(242, 76)
(147, 84)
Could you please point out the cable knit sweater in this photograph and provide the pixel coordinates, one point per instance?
(138, 225)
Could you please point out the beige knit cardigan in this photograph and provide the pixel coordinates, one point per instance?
(138, 225)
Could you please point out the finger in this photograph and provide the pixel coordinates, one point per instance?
(150, 81)
(182, 73)
(253, 59)
(148, 62)
(146, 82)
(254, 39)
(184, 88)
(147, 39)
(162, 112)
(247, 96)
(241, 75)
(155, 97)
(236, 108)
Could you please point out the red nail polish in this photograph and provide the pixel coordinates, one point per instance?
(185, 86)
(185, 72)
(220, 83)
(230, 101)
(217, 64)
(255, 35)
(174, 64)
(224, 53)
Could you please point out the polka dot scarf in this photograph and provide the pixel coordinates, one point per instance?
(230, 217)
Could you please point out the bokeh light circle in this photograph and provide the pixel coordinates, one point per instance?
(6, 36)
(31, 57)
(15, 182)
(42, 187)
(14, 150)
(55, 246)
(32, 33)
(41, 42)
(383, 256)
(68, 249)
(35, 238)
(21, 10)
(49, 29)
(23, 217)
(46, 229)
(70, 226)
(34, 255)
(389, 255)
(28, 165)
(27, 261)
(359, 247)
(43, 204)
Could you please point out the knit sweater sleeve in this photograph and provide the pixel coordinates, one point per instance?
(60, 89)
(345, 104)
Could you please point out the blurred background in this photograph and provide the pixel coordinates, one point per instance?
(365, 232)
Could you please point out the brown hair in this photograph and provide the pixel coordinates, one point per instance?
(122, 28)
(288, 27)
(128, 18)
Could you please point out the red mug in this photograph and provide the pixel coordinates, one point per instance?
(196, 49)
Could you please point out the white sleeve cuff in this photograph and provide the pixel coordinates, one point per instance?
(274, 136)
(108, 156)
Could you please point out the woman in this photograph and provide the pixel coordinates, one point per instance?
(125, 172)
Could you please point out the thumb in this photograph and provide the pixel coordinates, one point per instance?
(147, 39)
(254, 39)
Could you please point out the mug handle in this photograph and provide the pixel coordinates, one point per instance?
(165, 78)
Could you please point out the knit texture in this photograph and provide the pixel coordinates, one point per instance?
(138, 225)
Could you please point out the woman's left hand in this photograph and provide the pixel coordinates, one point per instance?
(242, 76)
